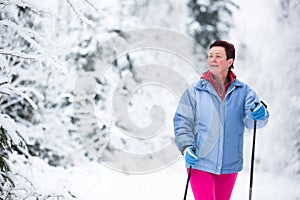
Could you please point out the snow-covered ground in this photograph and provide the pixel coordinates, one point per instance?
(93, 181)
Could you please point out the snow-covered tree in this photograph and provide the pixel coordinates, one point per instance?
(289, 102)
(24, 53)
(210, 20)
(36, 92)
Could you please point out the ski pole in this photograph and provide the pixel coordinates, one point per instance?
(188, 178)
(252, 161)
(187, 183)
(253, 152)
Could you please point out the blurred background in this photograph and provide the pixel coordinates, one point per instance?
(46, 45)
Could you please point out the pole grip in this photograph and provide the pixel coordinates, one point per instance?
(189, 176)
(194, 149)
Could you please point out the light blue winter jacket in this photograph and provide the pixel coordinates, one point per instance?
(215, 127)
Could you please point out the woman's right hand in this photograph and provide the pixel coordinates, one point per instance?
(190, 155)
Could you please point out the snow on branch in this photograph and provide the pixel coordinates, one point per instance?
(22, 55)
(27, 4)
(13, 129)
(38, 57)
(81, 17)
(89, 3)
(8, 89)
(26, 34)
(17, 27)
(3, 62)
(45, 56)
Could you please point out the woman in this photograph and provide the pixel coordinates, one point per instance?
(211, 117)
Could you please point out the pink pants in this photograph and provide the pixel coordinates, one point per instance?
(207, 186)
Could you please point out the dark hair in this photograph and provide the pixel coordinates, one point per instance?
(229, 48)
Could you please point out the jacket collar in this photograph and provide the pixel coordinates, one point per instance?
(204, 84)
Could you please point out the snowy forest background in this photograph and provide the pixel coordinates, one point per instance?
(46, 45)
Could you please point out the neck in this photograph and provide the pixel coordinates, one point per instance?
(221, 79)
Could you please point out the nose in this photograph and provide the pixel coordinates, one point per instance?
(213, 58)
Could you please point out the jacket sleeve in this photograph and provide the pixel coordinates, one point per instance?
(248, 121)
(184, 120)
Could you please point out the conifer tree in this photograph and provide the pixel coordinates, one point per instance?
(210, 20)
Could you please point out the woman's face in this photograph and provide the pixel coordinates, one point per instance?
(217, 61)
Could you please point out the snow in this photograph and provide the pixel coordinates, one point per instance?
(275, 174)
(93, 181)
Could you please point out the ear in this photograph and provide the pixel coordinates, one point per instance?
(230, 61)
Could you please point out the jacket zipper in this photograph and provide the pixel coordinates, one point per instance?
(222, 134)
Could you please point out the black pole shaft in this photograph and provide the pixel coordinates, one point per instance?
(252, 161)
(187, 183)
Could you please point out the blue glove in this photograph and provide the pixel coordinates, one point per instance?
(258, 111)
(190, 157)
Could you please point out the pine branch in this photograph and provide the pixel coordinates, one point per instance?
(20, 93)
(42, 58)
(11, 130)
(26, 35)
(45, 55)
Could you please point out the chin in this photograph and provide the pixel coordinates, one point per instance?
(213, 70)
